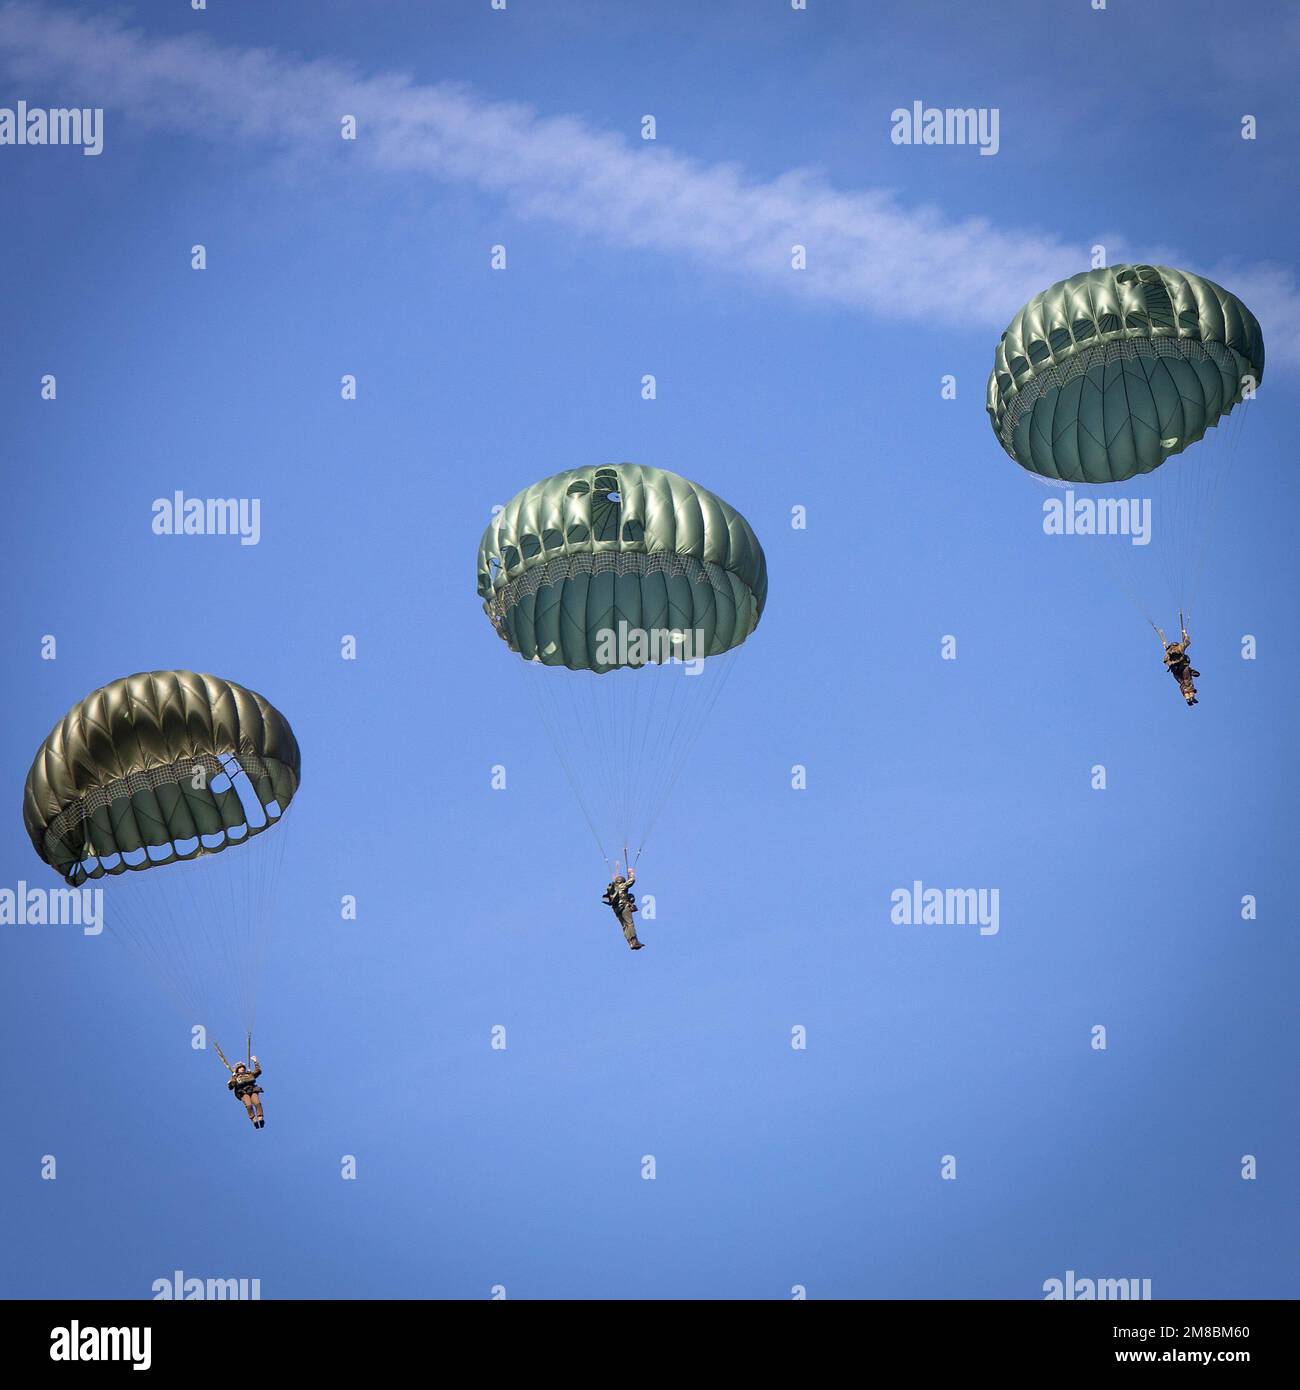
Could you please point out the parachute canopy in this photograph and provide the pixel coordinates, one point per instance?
(577, 555)
(1111, 372)
(629, 593)
(159, 766)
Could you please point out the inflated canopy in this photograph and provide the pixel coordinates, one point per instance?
(1110, 372)
(575, 556)
(155, 767)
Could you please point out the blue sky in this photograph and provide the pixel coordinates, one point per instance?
(776, 389)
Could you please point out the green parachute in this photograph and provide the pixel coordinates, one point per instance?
(1111, 372)
(576, 555)
(1101, 380)
(620, 586)
(142, 772)
(163, 772)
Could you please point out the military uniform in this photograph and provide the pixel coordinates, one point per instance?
(1180, 668)
(620, 897)
(244, 1083)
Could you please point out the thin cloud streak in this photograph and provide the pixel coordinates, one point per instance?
(866, 249)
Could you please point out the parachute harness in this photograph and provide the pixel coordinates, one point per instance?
(216, 1046)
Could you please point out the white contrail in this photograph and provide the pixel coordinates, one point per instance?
(866, 248)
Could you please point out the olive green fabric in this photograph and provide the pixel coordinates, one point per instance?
(115, 776)
(575, 556)
(1111, 372)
